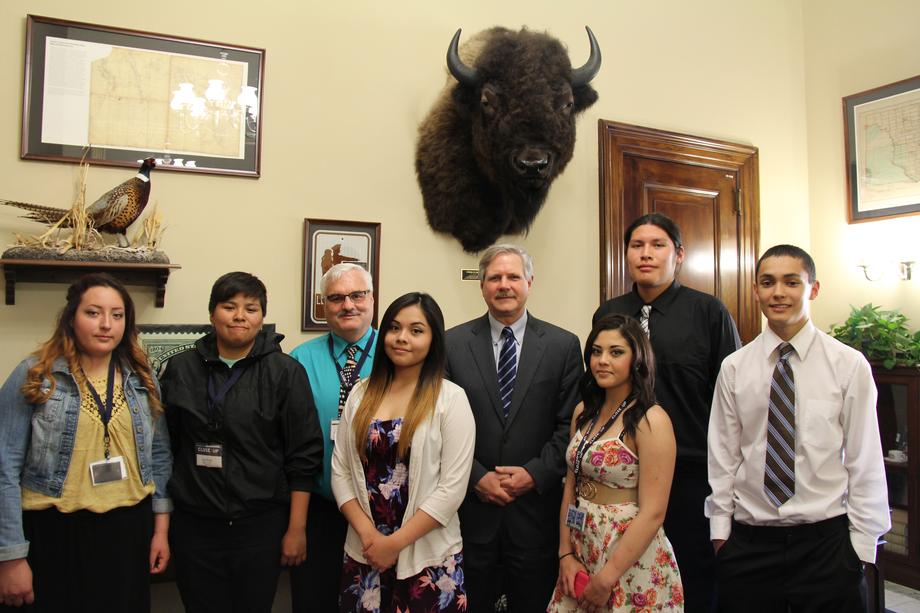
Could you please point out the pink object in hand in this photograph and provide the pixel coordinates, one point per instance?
(581, 582)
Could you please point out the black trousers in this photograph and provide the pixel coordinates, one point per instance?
(86, 562)
(687, 528)
(525, 576)
(315, 583)
(806, 568)
(228, 566)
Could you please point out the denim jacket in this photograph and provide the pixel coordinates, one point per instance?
(36, 443)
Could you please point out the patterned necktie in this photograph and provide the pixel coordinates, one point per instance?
(345, 377)
(507, 369)
(643, 319)
(779, 473)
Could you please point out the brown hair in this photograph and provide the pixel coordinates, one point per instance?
(423, 401)
(62, 344)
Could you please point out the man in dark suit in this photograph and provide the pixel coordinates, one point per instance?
(521, 376)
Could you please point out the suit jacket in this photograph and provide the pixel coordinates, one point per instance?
(534, 436)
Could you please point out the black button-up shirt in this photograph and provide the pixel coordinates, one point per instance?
(691, 333)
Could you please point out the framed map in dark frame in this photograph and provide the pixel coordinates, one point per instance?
(114, 96)
(882, 133)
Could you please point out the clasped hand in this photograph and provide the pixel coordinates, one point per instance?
(502, 485)
(380, 551)
(596, 596)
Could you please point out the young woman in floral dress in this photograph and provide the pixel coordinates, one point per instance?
(612, 512)
(400, 469)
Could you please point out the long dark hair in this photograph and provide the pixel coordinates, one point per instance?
(655, 219)
(641, 373)
(63, 344)
(423, 401)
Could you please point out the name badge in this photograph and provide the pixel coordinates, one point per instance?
(575, 518)
(108, 471)
(333, 428)
(209, 456)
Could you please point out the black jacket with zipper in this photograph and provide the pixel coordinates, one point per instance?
(267, 427)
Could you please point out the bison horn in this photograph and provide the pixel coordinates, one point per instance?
(468, 76)
(580, 76)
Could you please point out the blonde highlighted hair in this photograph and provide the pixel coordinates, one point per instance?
(425, 397)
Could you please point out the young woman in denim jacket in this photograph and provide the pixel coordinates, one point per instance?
(84, 462)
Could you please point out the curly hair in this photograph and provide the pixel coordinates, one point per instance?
(63, 344)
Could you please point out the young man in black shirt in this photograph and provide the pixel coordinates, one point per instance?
(691, 333)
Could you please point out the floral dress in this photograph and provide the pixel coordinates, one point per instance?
(435, 588)
(653, 582)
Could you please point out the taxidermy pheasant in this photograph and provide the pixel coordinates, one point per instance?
(113, 212)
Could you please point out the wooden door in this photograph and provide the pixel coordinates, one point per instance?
(708, 187)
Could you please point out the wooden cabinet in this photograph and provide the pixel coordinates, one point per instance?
(899, 425)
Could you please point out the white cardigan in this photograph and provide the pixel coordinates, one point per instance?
(440, 461)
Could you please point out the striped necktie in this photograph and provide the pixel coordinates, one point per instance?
(779, 472)
(507, 369)
(643, 319)
(345, 376)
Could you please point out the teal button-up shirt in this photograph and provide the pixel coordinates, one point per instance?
(325, 383)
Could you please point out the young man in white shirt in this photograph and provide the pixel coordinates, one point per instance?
(799, 496)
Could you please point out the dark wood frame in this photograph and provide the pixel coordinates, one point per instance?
(852, 142)
(38, 29)
(311, 227)
(905, 569)
(619, 139)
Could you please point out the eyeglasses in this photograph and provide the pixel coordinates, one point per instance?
(356, 297)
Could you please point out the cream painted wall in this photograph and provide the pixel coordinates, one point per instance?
(852, 46)
(346, 86)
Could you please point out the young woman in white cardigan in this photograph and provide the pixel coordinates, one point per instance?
(400, 469)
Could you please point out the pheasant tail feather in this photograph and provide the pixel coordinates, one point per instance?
(46, 214)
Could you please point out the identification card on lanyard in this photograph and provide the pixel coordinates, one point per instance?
(107, 471)
(575, 518)
(209, 455)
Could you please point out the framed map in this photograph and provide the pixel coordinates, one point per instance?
(119, 96)
(882, 131)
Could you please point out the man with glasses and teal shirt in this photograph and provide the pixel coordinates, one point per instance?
(334, 363)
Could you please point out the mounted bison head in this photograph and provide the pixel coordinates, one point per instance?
(494, 142)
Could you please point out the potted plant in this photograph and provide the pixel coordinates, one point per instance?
(882, 336)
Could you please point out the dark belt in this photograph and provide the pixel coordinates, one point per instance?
(817, 530)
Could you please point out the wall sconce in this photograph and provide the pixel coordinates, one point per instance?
(875, 272)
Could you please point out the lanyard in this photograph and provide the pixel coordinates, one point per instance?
(350, 382)
(105, 409)
(216, 396)
(584, 445)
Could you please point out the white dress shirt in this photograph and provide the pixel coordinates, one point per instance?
(839, 466)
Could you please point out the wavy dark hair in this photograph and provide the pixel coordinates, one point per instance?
(63, 344)
(641, 373)
(423, 401)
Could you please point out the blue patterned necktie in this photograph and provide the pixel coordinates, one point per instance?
(507, 369)
(779, 472)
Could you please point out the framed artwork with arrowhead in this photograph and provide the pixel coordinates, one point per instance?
(113, 96)
(329, 242)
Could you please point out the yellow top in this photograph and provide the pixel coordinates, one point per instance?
(79, 492)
